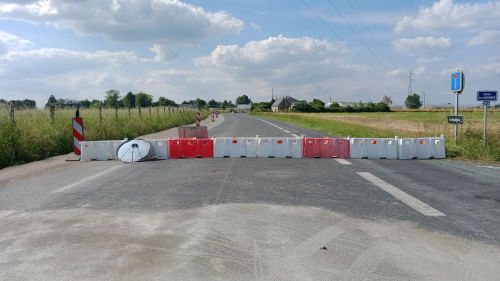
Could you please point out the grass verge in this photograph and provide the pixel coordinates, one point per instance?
(34, 136)
(411, 124)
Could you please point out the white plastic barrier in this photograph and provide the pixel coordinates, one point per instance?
(373, 148)
(421, 148)
(106, 150)
(280, 148)
(235, 147)
(160, 149)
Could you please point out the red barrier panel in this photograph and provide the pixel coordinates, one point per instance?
(191, 148)
(325, 148)
(341, 148)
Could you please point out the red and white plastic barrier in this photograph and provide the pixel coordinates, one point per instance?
(77, 134)
(372, 148)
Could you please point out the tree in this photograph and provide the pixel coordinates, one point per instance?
(224, 105)
(129, 100)
(243, 100)
(95, 103)
(84, 103)
(112, 97)
(199, 103)
(386, 100)
(143, 99)
(29, 103)
(162, 101)
(52, 101)
(212, 103)
(317, 105)
(302, 106)
(413, 101)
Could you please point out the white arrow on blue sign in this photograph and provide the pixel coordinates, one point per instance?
(457, 81)
(486, 95)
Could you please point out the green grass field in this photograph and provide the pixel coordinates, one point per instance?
(34, 136)
(407, 124)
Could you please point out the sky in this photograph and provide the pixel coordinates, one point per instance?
(339, 50)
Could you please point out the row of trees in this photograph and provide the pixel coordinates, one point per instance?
(19, 104)
(113, 99)
(319, 106)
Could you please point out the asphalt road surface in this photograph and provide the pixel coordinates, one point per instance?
(251, 219)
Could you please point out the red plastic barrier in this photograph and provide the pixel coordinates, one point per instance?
(325, 148)
(341, 148)
(191, 148)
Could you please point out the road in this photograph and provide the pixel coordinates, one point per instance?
(252, 219)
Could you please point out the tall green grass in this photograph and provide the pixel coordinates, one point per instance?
(468, 147)
(34, 136)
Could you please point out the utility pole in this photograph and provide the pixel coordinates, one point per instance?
(410, 83)
(423, 98)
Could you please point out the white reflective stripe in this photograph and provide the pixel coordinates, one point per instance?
(77, 127)
(343, 161)
(76, 143)
(401, 195)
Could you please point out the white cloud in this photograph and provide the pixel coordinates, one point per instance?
(485, 37)
(422, 45)
(492, 68)
(53, 61)
(255, 26)
(420, 71)
(395, 72)
(166, 21)
(445, 15)
(295, 60)
(163, 53)
(10, 42)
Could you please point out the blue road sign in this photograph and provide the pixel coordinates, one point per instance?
(486, 95)
(457, 81)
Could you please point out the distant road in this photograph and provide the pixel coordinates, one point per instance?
(253, 219)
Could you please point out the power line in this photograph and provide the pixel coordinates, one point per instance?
(355, 32)
(367, 29)
(335, 33)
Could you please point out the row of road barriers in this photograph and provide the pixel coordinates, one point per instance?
(107, 150)
(219, 147)
(258, 147)
(396, 148)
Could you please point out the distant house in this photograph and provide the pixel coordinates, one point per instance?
(347, 103)
(283, 103)
(243, 107)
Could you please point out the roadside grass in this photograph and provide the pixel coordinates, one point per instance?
(34, 136)
(407, 125)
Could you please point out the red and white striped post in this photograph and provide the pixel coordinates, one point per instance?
(77, 134)
(213, 116)
(197, 119)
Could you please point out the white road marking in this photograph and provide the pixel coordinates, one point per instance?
(401, 195)
(276, 126)
(490, 167)
(343, 161)
(92, 177)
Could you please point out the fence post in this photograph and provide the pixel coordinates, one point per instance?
(52, 112)
(140, 111)
(11, 114)
(150, 111)
(163, 111)
(116, 112)
(158, 111)
(100, 114)
(169, 110)
(129, 112)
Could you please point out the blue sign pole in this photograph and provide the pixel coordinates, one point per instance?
(457, 86)
(486, 97)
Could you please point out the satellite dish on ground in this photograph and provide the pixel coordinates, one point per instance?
(134, 151)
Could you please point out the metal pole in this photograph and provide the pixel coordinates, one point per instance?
(485, 116)
(456, 113)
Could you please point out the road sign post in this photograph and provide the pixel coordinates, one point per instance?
(486, 97)
(457, 86)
